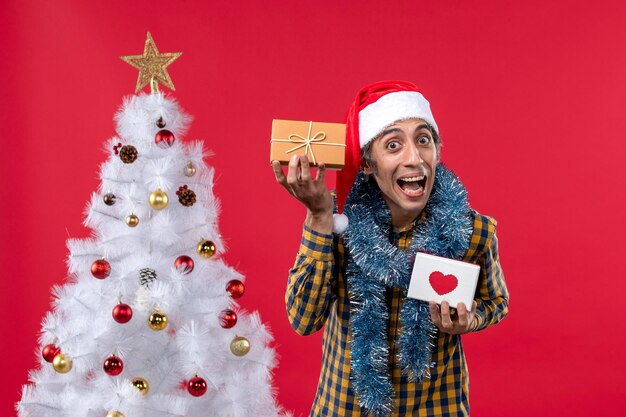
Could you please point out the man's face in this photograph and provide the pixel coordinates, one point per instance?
(405, 158)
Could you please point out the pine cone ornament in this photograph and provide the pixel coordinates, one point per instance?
(147, 276)
(186, 196)
(128, 154)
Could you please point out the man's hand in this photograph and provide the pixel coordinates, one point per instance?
(447, 322)
(310, 192)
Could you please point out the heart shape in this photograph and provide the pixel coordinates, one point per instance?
(443, 284)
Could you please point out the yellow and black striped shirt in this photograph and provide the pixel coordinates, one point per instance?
(317, 295)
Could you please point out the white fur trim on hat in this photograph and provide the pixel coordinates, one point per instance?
(390, 108)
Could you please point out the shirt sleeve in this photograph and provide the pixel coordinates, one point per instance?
(310, 294)
(492, 295)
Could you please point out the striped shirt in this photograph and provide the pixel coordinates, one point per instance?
(317, 296)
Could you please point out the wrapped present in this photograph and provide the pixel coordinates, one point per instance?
(321, 142)
(441, 279)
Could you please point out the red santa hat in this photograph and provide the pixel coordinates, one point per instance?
(376, 107)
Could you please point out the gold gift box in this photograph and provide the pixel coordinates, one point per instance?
(321, 142)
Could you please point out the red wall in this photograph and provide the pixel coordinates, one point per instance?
(530, 98)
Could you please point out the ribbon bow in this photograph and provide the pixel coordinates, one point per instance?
(307, 142)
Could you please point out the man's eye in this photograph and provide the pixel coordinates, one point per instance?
(423, 140)
(393, 145)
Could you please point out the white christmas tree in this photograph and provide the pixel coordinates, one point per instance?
(148, 324)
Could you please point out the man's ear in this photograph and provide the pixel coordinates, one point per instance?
(367, 169)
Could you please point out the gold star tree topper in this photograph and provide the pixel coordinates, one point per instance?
(152, 66)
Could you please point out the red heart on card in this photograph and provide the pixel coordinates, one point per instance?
(443, 284)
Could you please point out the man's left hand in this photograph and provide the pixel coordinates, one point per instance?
(452, 323)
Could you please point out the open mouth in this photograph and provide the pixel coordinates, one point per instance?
(412, 186)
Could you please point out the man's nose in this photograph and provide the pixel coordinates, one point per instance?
(413, 156)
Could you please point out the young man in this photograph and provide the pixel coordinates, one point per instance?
(385, 354)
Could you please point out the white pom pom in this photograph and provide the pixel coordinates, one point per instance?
(340, 223)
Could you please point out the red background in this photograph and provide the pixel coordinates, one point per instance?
(530, 98)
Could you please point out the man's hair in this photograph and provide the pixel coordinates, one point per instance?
(366, 152)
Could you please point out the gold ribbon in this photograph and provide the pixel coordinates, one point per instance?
(307, 142)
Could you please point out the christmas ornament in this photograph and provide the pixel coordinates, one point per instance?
(132, 220)
(113, 365)
(116, 148)
(186, 196)
(184, 263)
(122, 313)
(235, 288)
(152, 66)
(196, 386)
(164, 139)
(141, 384)
(62, 363)
(147, 276)
(190, 170)
(109, 199)
(240, 346)
(100, 269)
(158, 199)
(228, 319)
(206, 249)
(160, 123)
(157, 321)
(115, 413)
(49, 352)
(128, 154)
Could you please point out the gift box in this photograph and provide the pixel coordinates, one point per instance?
(321, 142)
(441, 279)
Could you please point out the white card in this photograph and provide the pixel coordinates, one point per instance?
(441, 279)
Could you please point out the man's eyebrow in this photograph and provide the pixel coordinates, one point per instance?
(397, 129)
(424, 126)
(390, 130)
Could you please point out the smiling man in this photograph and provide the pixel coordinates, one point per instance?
(385, 354)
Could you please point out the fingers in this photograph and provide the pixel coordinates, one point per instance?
(321, 172)
(442, 317)
(446, 320)
(292, 172)
(305, 169)
(434, 313)
(463, 315)
(280, 176)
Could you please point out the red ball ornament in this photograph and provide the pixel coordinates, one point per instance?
(228, 319)
(196, 386)
(185, 263)
(49, 352)
(235, 288)
(164, 138)
(122, 313)
(100, 269)
(113, 365)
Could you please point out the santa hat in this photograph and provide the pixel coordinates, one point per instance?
(376, 107)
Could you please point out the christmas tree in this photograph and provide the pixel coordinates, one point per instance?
(148, 324)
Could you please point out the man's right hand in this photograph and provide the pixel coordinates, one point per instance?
(310, 192)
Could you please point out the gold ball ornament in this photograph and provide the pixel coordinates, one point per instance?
(141, 385)
(240, 346)
(158, 199)
(157, 321)
(190, 170)
(115, 413)
(206, 249)
(62, 363)
(132, 220)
